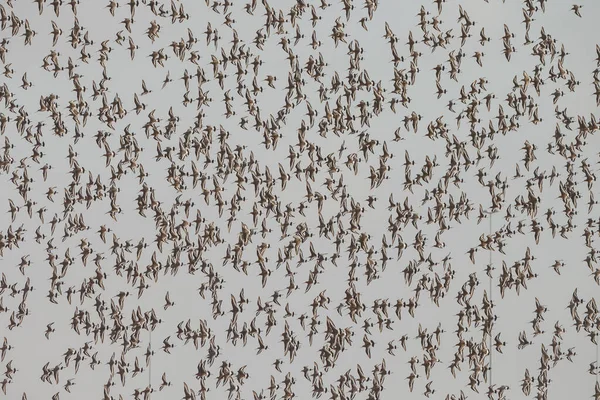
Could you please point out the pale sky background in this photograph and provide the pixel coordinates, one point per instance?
(32, 350)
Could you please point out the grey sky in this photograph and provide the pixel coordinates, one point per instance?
(515, 312)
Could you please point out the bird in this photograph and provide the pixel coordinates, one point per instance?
(49, 330)
(168, 302)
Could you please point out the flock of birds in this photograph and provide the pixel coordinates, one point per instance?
(267, 188)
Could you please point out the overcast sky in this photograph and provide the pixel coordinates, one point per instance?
(515, 312)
